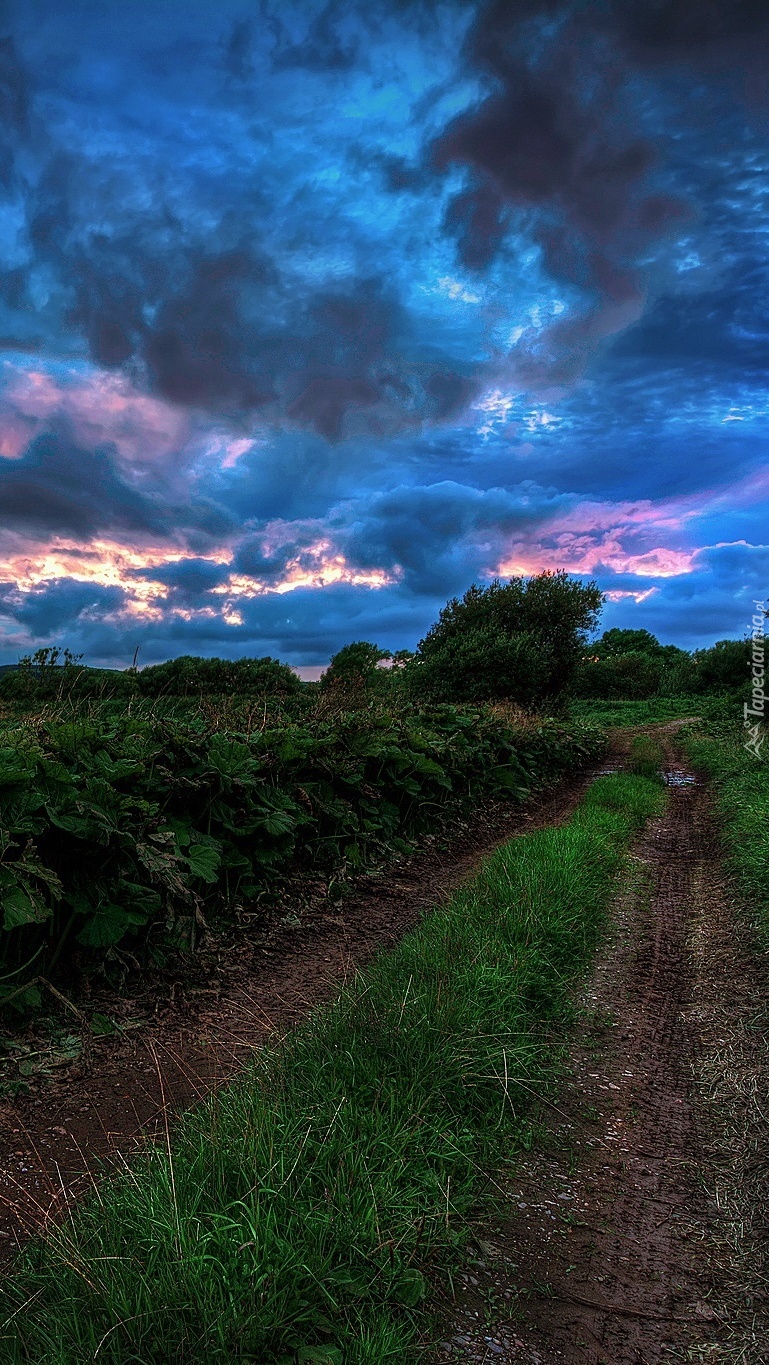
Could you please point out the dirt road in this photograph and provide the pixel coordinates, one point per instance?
(636, 1232)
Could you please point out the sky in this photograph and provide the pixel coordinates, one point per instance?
(312, 314)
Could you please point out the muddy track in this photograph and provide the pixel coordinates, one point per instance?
(629, 1238)
(117, 1092)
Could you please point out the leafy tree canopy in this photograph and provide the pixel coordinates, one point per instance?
(355, 663)
(520, 640)
(616, 641)
(724, 666)
(192, 676)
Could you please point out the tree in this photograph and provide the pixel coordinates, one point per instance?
(356, 664)
(723, 667)
(189, 675)
(633, 676)
(520, 640)
(632, 665)
(616, 641)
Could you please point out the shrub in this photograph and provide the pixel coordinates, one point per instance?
(520, 640)
(189, 676)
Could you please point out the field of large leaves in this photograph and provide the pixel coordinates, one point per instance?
(133, 828)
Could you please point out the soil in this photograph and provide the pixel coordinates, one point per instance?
(636, 1230)
(92, 1100)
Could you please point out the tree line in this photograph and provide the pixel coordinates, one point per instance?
(527, 640)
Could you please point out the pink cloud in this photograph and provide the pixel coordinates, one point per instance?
(626, 537)
(99, 406)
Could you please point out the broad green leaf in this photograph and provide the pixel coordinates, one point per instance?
(204, 861)
(107, 926)
(23, 906)
(410, 1288)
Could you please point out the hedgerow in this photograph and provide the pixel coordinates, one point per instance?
(123, 830)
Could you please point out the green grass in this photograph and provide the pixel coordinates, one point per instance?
(646, 757)
(617, 713)
(296, 1214)
(742, 801)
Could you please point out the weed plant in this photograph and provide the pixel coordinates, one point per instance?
(131, 828)
(646, 757)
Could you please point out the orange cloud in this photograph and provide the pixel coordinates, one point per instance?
(148, 599)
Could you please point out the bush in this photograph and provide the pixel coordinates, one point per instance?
(724, 667)
(56, 675)
(189, 676)
(632, 677)
(632, 665)
(520, 640)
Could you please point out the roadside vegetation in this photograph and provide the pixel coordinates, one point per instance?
(134, 833)
(298, 1215)
(741, 779)
(139, 809)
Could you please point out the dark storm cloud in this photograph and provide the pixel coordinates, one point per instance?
(189, 576)
(14, 111)
(558, 137)
(214, 320)
(331, 230)
(191, 579)
(59, 488)
(325, 46)
(572, 146)
(441, 536)
(269, 566)
(59, 605)
(227, 333)
(299, 476)
(708, 32)
(728, 325)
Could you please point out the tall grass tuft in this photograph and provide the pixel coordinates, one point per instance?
(297, 1213)
(646, 757)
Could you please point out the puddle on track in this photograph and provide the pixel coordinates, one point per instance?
(676, 777)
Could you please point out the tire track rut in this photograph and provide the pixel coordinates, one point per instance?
(621, 1246)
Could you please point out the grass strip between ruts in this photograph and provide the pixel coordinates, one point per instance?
(296, 1213)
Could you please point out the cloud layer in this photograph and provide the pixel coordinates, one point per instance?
(309, 321)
